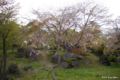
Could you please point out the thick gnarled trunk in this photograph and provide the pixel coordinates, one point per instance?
(55, 66)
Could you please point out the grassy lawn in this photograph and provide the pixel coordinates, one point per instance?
(42, 70)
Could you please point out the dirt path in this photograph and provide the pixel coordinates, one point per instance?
(44, 59)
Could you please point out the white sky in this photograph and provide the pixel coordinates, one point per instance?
(47, 5)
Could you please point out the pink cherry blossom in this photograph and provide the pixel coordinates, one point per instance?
(35, 46)
(37, 34)
(33, 51)
(30, 40)
(38, 53)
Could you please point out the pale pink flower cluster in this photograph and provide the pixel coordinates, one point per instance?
(30, 40)
(30, 36)
(35, 46)
(69, 46)
(37, 34)
(38, 53)
(88, 34)
(33, 51)
(95, 43)
(89, 51)
(41, 20)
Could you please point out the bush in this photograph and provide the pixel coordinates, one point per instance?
(99, 49)
(95, 49)
(77, 51)
(53, 48)
(112, 58)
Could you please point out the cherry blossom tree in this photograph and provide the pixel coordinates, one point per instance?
(68, 25)
(39, 39)
(113, 41)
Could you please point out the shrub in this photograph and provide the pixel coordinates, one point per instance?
(99, 49)
(70, 60)
(77, 50)
(112, 58)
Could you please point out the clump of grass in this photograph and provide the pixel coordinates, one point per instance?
(62, 52)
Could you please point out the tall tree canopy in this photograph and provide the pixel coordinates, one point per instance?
(8, 11)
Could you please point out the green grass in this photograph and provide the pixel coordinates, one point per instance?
(92, 71)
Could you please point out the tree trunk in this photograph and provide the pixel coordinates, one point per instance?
(55, 66)
(1, 69)
(4, 52)
(53, 71)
